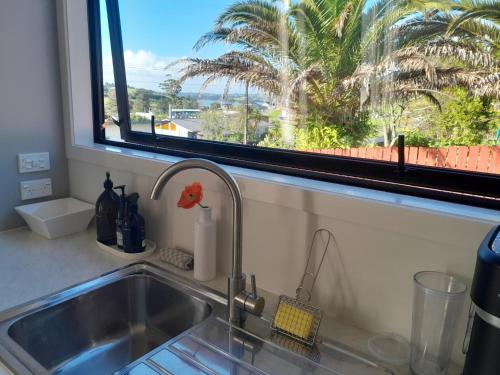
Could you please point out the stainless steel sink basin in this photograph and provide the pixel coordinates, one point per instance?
(108, 327)
(104, 328)
(144, 320)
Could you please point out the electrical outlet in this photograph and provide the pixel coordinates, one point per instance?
(33, 162)
(36, 188)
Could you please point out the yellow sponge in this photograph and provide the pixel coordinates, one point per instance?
(294, 320)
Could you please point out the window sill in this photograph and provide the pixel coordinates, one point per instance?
(312, 196)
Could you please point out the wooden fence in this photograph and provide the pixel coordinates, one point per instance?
(474, 158)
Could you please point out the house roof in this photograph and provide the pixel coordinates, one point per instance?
(191, 124)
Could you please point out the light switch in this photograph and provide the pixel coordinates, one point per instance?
(33, 162)
(36, 188)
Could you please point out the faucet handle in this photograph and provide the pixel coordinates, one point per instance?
(254, 285)
(249, 301)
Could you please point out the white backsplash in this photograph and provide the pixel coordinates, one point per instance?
(367, 282)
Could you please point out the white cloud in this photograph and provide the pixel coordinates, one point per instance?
(145, 60)
(144, 68)
(147, 70)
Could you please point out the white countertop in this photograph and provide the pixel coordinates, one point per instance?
(32, 266)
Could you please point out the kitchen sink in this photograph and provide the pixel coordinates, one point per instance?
(101, 330)
(142, 319)
(108, 327)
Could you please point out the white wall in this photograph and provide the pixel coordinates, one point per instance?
(368, 283)
(30, 99)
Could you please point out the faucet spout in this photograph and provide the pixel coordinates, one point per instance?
(237, 278)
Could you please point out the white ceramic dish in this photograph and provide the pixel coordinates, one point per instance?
(150, 249)
(57, 218)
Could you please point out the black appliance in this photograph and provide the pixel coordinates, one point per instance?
(482, 341)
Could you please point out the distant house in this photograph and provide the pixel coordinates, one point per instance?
(181, 123)
(183, 113)
(186, 128)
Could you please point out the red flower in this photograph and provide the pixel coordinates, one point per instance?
(191, 196)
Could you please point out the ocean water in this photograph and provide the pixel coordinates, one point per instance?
(206, 102)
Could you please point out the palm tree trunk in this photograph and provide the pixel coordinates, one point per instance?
(390, 133)
(387, 135)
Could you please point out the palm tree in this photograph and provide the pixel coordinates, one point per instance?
(436, 45)
(287, 51)
(320, 54)
(420, 47)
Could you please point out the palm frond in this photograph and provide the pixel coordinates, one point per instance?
(466, 53)
(237, 66)
(477, 9)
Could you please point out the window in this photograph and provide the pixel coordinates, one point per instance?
(384, 95)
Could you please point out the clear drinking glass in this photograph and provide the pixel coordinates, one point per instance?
(437, 304)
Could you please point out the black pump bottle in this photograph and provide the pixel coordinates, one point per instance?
(133, 227)
(106, 210)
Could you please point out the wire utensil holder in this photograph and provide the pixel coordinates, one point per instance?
(303, 294)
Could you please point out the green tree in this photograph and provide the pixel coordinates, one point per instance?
(421, 47)
(217, 126)
(215, 106)
(254, 117)
(417, 138)
(313, 136)
(355, 131)
(110, 107)
(274, 137)
(140, 100)
(466, 120)
(186, 102)
(171, 88)
(316, 136)
(212, 125)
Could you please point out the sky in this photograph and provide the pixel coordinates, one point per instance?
(158, 32)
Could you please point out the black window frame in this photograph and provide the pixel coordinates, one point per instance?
(471, 188)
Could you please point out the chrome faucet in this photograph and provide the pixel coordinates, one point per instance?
(239, 299)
